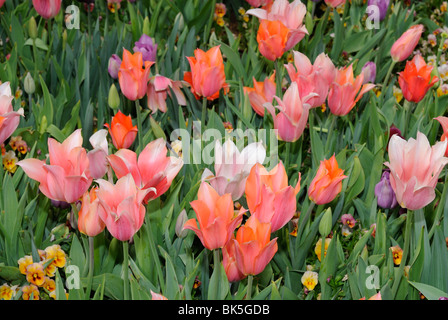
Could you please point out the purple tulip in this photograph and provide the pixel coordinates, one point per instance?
(147, 47)
(369, 71)
(384, 192)
(382, 5)
(114, 66)
(443, 298)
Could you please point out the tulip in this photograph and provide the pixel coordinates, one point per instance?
(153, 169)
(122, 131)
(216, 217)
(67, 177)
(346, 91)
(334, 3)
(229, 262)
(9, 119)
(272, 37)
(158, 88)
(291, 17)
(147, 47)
(327, 183)
(114, 66)
(47, 9)
(262, 92)
(293, 116)
(132, 77)
(259, 3)
(120, 207)
(97, 156)
(415, 80)
(374, 297)
(89, 222)
(269, 197)
(310, 78)
(382, 5)
(385, 194)
(2, 2)
(444, 123)
(207, 75)
(415, 167)
(232, 167)
(157, 296)
(253, 247)
(405, 45)
(369, 71)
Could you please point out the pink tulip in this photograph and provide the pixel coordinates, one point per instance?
(67, 177)
(269, 197)
(216, 217)
(89, 222)
(290, 14)
(2, 2)
(262, 92)
(47, 8)
(259, 3)
(153, 169)
(98, 156)
(293, 116)
(9, 119)
(405, 45)
(334, 3)
(415, 167)
(120, 206)
(444, 123)
(310, 78)
(346, 91)
(158, 89)
(232, 167)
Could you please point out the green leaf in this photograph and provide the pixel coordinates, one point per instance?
(430, 292)
(218, 287)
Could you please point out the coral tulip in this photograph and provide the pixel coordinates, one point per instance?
(310, 78)
(262, 92)
(89, 222)
(232, 167)
(327, 183)
(120, 206)
(153, 169)
(47, 9)
(229, 262)
(9, 119)
(269, 197)
(272, 37)
(444, 123)
(67, 177)
(216, 217)
(253, 247)
(415, 80)
(133, 78)
(405, 45)
(207, 75)
(122, 131)
(346, 91)
(415, 167)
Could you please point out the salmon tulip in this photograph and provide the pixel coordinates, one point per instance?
(416, 80)
(262, 92)
(405, 45)
(133, 78)
(152, 169)
(120, 207)
(415, 167)
(253, 247)
(216, 217)
(269, 197)
(122, 131)
(67, 177)
(47, 9)
(346, 91)
(207, 75)
(229, 262)
(9, 119)
(89, 222)
(327, 183)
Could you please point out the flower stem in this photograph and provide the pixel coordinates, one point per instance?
(126, 269)
(139, 124)
(305, 219)
(91, 266)
(249, 287)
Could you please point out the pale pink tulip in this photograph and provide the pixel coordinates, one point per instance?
(415, 167)
(9, 119)
(98, 156)
(232, 167)
(67, 177)
(120, 206)
(444, 123)
(159, 87)
(153, 169)
(47, 9)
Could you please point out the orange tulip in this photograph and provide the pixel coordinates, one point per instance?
(327, 183)
(207, 75)
(405, 45)
(122, 131)
(89, 222)
(216, 217)
(272, 37)
(261, 93)
(253, 247)
(415, 80)
(133, 78)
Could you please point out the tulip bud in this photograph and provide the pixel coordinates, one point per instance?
(158, 131)
(181, 219)
(146, 26)
(32, 28)
(369, 71)
(29, 84)
(326, 223)
(114, 98)
(384, 192)
(43, 124)
(64, 39)
(114, 66)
